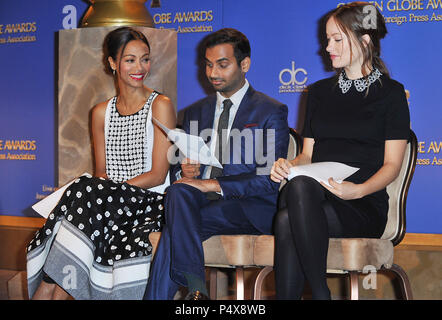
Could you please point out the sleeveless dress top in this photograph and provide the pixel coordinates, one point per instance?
(129, 142)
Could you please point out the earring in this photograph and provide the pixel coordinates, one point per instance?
(113, 71)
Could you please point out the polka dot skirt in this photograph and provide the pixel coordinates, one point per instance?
(116, 217)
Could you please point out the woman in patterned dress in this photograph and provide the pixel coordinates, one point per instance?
(95, 242)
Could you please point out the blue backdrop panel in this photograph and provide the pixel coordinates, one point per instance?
(286, 32)
(189, 19)
(27, 100)
(284, 39)
(285, 60)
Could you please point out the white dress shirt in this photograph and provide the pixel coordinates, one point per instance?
(236, 99)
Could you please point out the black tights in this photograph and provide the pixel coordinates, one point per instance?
(308, 216)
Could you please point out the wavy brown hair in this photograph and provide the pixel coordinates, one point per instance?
(362, 18)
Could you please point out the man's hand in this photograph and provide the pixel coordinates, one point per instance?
(210, 185)
(190, 168)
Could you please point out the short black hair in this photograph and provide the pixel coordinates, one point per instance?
(240, 43)
(118, 39)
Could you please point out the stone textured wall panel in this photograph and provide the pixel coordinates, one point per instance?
(82, 83)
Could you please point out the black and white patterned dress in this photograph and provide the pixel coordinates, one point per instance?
(95, 242)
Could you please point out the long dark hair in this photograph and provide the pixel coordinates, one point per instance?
(117, 40)
(354, 21)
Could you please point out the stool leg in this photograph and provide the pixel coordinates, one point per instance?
(239, 283)
(405, 282)
(354, 285)
(213, 283)
(259, 280)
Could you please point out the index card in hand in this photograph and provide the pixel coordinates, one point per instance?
(193, 147)
(322, 171)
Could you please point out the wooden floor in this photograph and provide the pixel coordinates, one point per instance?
(420, 255)
(423, 268)
(13, 285)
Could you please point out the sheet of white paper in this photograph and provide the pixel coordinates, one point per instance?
(44, 207)
(322, 171)
(193, 147)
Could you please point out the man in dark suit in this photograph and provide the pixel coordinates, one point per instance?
(248, 132)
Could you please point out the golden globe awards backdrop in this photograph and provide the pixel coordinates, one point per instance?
(286, 59)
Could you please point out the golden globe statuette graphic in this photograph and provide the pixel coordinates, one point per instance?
(104, 13)
(155, 4)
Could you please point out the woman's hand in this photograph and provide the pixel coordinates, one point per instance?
(280, 170)
(345, 190)
(393, 157)
(281, 167)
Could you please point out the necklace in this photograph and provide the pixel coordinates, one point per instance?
(125, 110)
(360, 84)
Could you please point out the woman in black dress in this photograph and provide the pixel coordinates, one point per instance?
(360, 118)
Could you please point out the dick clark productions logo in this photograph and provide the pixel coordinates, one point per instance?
(293, 80)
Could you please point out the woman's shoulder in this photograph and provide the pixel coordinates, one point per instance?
(102, 105)
(161, 98)
(162, 107)
(98, 113)
(394, 84)
(323, 85)
(391, 88)
(100, 108)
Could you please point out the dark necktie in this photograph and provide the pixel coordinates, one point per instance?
(221, 140)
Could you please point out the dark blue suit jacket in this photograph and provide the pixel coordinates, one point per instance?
(255, 193)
